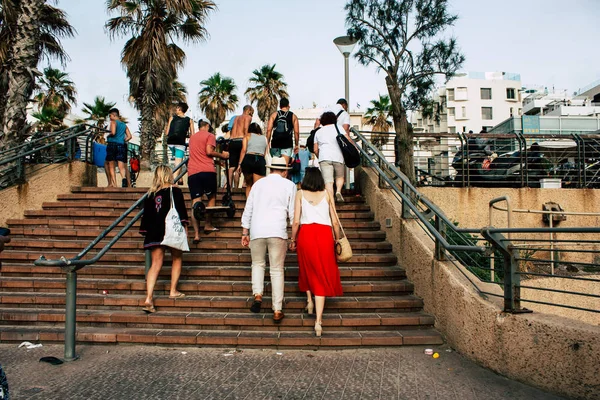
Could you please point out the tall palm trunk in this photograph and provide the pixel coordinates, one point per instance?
(21, 76)
(147, 138)
(21, 79)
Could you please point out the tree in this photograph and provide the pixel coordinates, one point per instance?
(97, 112)
(217, 97)
(403, 38)
(268, 88)
(151, 56)
(56, 90)
(49, 119)
(378, 117)
(49, 27)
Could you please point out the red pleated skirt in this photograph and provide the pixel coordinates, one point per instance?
(318, 269)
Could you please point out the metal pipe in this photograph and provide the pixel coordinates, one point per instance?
(71, 316)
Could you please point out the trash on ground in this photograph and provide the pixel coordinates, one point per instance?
(227, 354)
(29, 345)
(436, 355)
(105, 292)
(51, 360)
(184, 352)
(448, 350)
(279, 354)
(428, 352)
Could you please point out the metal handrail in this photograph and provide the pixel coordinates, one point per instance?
(45, 146)
(46, 137)
(498, 243)
(72, 265)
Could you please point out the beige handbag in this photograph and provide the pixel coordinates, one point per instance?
(343, 251)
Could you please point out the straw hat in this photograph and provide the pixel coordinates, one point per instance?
(278, 163)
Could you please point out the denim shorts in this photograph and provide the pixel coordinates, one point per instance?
(177, 151)
(282, 152)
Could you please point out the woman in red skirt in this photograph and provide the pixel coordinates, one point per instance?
(313, 233)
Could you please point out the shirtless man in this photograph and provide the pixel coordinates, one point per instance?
(237, 134)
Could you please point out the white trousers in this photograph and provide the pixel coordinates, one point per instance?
(277, 248)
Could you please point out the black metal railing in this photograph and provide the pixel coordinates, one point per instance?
(502, 159)
(43, 149)
(72, 265)
(492, 257)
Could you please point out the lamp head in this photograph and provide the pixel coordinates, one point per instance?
(345, 44)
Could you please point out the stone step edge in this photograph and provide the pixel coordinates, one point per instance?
(262, 339)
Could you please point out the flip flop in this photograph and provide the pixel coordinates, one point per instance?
(209, 231)
(149, 309)
(196, 241)
(178, 296)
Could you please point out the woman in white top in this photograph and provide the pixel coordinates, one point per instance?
(314, 233)
(330, 156)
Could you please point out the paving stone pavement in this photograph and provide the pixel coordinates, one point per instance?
(148, 372)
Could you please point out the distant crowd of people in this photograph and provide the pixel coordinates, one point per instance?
(273, 199)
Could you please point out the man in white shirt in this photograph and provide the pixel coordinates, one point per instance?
(341, 112)
(265, 220)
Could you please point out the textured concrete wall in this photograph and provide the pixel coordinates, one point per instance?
(554, 353)
(43, 186)
(469, 206)
(565, 299)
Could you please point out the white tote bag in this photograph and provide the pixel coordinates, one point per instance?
(175, 235)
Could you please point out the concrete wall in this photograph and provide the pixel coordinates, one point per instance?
(553, 353)
(44, 186)
(566, 299)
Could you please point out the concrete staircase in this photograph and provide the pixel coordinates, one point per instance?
(378, 307)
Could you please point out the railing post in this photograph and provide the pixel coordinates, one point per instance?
(71, 316)
(512, 278)
(406, 213)
(440, 253)
(381, 182)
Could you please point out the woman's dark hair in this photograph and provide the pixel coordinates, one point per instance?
(255, 128)
(313, 180)
(328, 118)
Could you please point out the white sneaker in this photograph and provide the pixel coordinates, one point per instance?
(339, 198)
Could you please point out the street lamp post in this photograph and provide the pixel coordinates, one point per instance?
(345, 45)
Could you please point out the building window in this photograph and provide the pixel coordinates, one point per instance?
(512, 112)
(464, 112)
(486, 113)
(450, 93)
(451, 129)
(486, 93)
(510, 94)
(520, 111)
(451, 111)
(431, 130)
(461, 94)
(419, 122)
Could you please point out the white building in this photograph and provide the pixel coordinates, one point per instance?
(585, 103)
(471, 102)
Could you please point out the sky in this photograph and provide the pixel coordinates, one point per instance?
(552, 43)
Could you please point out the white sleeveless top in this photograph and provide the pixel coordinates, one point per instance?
(315, 213)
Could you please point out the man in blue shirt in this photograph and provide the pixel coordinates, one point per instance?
(116, 149)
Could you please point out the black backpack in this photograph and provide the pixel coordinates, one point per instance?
(282, 130)
(310, 142)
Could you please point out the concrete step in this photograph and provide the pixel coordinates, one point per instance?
(227, 338)
(193, 287)
(110, 301)
(194, 258)
(215, 320)
(207, 272)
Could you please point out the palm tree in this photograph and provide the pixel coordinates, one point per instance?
(378, 116)
(49, 119)
(56, 90)
(268, 88)
(151, 57)
(98, 111)
(39, 28)
(217, 97)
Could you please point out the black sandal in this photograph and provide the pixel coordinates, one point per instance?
(256, 305)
